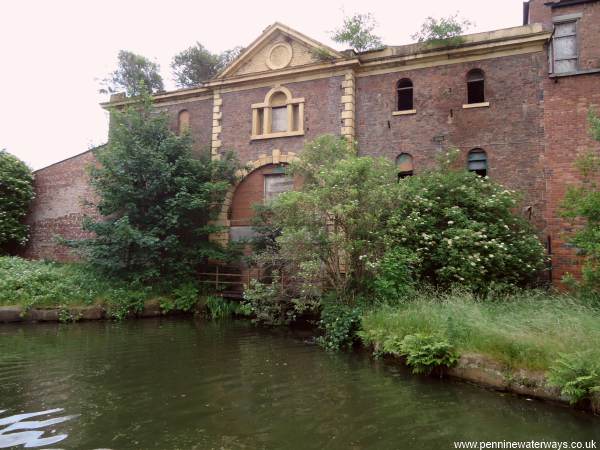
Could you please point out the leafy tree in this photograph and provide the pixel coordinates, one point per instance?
(156, 198)
(16, 192)
(196, 64)
(462, 230)
(583, 202)
(134, 75)
(332, 228)
(443, 31)
(357, 32)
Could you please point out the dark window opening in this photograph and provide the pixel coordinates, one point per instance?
(405, 95)
(475, 87)
(478, 162)
(404, 163)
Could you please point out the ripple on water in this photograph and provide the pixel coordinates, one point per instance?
(17, 430)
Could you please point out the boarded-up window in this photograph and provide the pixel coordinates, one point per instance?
(279, 119)
(564, 47)
(404, 164)
(475, 86)
(275, 184)
(183, 124)
(404, 91)
(478, 162)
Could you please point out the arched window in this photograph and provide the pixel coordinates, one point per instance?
(183, 121)
(404, 164)
(477, 162)
(475, 86)
(280, 115)
(404, 91)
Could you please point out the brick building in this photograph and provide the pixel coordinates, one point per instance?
(514, 101)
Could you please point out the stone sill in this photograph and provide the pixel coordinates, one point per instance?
(574, 74)
(277, 135)
(407, 112)
(476, 105)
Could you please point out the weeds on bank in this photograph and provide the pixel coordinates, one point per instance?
(526, 329)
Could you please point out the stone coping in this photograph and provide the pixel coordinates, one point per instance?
(16, 314)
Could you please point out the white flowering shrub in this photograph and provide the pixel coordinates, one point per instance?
(463, 230)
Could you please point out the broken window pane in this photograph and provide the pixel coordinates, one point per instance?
(478, 162)
(475, 87)
(405, 95)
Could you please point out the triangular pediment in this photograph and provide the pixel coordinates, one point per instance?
(277, 48)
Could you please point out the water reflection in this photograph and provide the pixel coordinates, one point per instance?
(29, 433)
(180, 384)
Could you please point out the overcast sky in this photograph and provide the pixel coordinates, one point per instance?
(53, 53)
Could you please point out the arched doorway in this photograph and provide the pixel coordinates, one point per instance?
(259, 186)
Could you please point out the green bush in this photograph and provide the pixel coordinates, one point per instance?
(424, 353)
(183, 298)
(266, 303)
(395, 275)
(463, 230)
(340, 324)
(577, 375)
(16, 192)
(156, 198)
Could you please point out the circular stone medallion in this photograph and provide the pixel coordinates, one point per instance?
(279, 56)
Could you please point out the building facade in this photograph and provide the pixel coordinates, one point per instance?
(514, 101)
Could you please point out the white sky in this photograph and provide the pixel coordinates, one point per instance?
(53, 53)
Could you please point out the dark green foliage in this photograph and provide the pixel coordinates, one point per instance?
(357, 32)
(156, 198)
(583, 202)
(16, 193)
(425, 353)
(339, 323)
(395, 279)
(443, 31)
(184, 298)
(577, 375)
(462, 229)
(135, 75)
(267, 304)
(195, 65)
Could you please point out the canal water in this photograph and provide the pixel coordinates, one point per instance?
(185, 384)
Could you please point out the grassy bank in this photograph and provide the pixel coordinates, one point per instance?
(40, 284)
(528, 330)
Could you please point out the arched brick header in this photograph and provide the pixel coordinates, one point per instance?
(263, 162)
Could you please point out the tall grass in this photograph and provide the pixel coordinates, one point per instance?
(528, 329)
(43, 284)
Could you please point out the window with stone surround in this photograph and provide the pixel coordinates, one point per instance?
(279, 115)
(475, 87)
(563, 47)
(404, 93)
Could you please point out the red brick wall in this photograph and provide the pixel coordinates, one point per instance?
(567, 103)
(322, 115)
(200, 121)
(59, 207)
(588, 33)
(510, 130)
